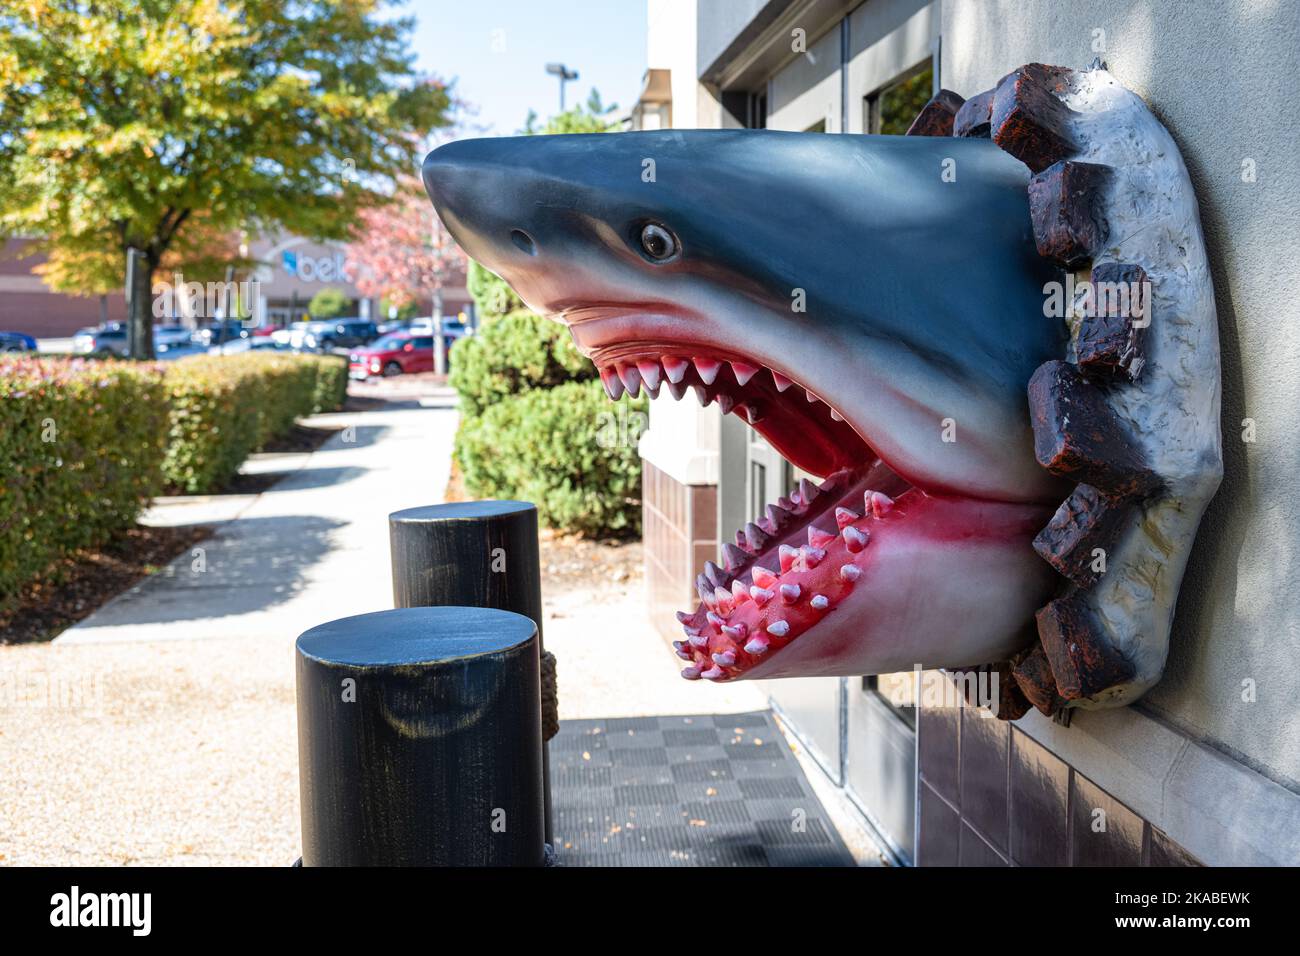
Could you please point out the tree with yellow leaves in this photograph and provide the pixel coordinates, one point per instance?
(157, 125)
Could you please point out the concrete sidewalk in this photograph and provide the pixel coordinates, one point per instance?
(312, 548)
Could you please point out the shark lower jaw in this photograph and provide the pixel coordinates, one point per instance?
(860, 573)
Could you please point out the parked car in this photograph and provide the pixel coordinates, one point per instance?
(258, 343)
(110, 339)
(393, 355)
(339, 333)
(16, 342)
(452, 329)
(223, 330)
(291, 335)
(173, 338)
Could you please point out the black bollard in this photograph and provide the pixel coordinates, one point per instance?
(420, 740)
(476, 554)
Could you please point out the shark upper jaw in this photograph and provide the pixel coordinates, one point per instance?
(863, 572)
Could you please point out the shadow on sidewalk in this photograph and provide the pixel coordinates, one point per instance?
(249, 565)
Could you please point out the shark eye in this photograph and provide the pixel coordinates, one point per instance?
(659, 244)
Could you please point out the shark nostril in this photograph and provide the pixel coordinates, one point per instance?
(524, 241)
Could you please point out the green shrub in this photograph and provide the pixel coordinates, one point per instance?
(492, 295)
(331, 392)
(81, 443)
(511, 355)
(225, 407)
(328, 303)
(567, 449)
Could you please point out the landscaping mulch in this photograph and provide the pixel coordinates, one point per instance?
(84, 581)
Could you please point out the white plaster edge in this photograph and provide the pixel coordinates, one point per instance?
(677, 459)
(1219, 810)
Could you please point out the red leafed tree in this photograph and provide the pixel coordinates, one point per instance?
(403, 253)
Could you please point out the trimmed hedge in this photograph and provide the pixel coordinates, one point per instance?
(81, 443)
(567, 449)
(514, 354)
(223, 408)
(85, 444)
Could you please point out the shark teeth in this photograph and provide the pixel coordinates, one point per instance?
(845, 517)
(613, 384)
(743, 372)
(707, 369)
(780, 381)
(854, 539)
(631, 379)
(675, 368)
(650, 375)
(880, 504)
(734, 557)
(717, 577)
(818, 538)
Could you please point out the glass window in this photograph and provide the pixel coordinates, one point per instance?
(897, 691)
(891, 109)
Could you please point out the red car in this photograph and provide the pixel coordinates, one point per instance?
(394, 354)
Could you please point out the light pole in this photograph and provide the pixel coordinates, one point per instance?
(565, 74)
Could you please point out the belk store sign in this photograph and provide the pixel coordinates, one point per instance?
(316, 269)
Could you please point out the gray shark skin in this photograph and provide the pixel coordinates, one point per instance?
(876, 319)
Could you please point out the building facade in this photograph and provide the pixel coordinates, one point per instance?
(1204, 769)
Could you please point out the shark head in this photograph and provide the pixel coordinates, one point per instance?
(872, 305)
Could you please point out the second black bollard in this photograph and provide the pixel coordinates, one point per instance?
(476, 554)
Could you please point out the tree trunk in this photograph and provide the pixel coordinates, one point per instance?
(139, 304)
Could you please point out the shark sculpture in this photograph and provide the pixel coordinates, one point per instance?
(875, 307)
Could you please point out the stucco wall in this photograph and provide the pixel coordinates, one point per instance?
(1220, 74)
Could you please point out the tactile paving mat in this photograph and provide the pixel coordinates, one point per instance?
(714, 790)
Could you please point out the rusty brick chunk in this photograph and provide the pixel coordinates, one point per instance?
(1033, 675)
(1076, 435)
(1083, 660)
(1112, 335)
(1087, 520)
(977, 685)
(1028, 119)
(1012, 702)
(936, 117)
(973, 117)
(1065, 207)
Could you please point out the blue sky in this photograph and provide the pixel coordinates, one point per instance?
(498, 51)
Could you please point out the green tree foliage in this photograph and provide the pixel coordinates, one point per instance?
(493, 297)
(592, 116)
(129, 124)
(328, 303)
(406, 311)
(516, 353)
(567, 449)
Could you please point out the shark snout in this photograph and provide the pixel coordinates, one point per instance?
(476, 199)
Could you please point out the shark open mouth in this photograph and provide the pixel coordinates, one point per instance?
(799, 565)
